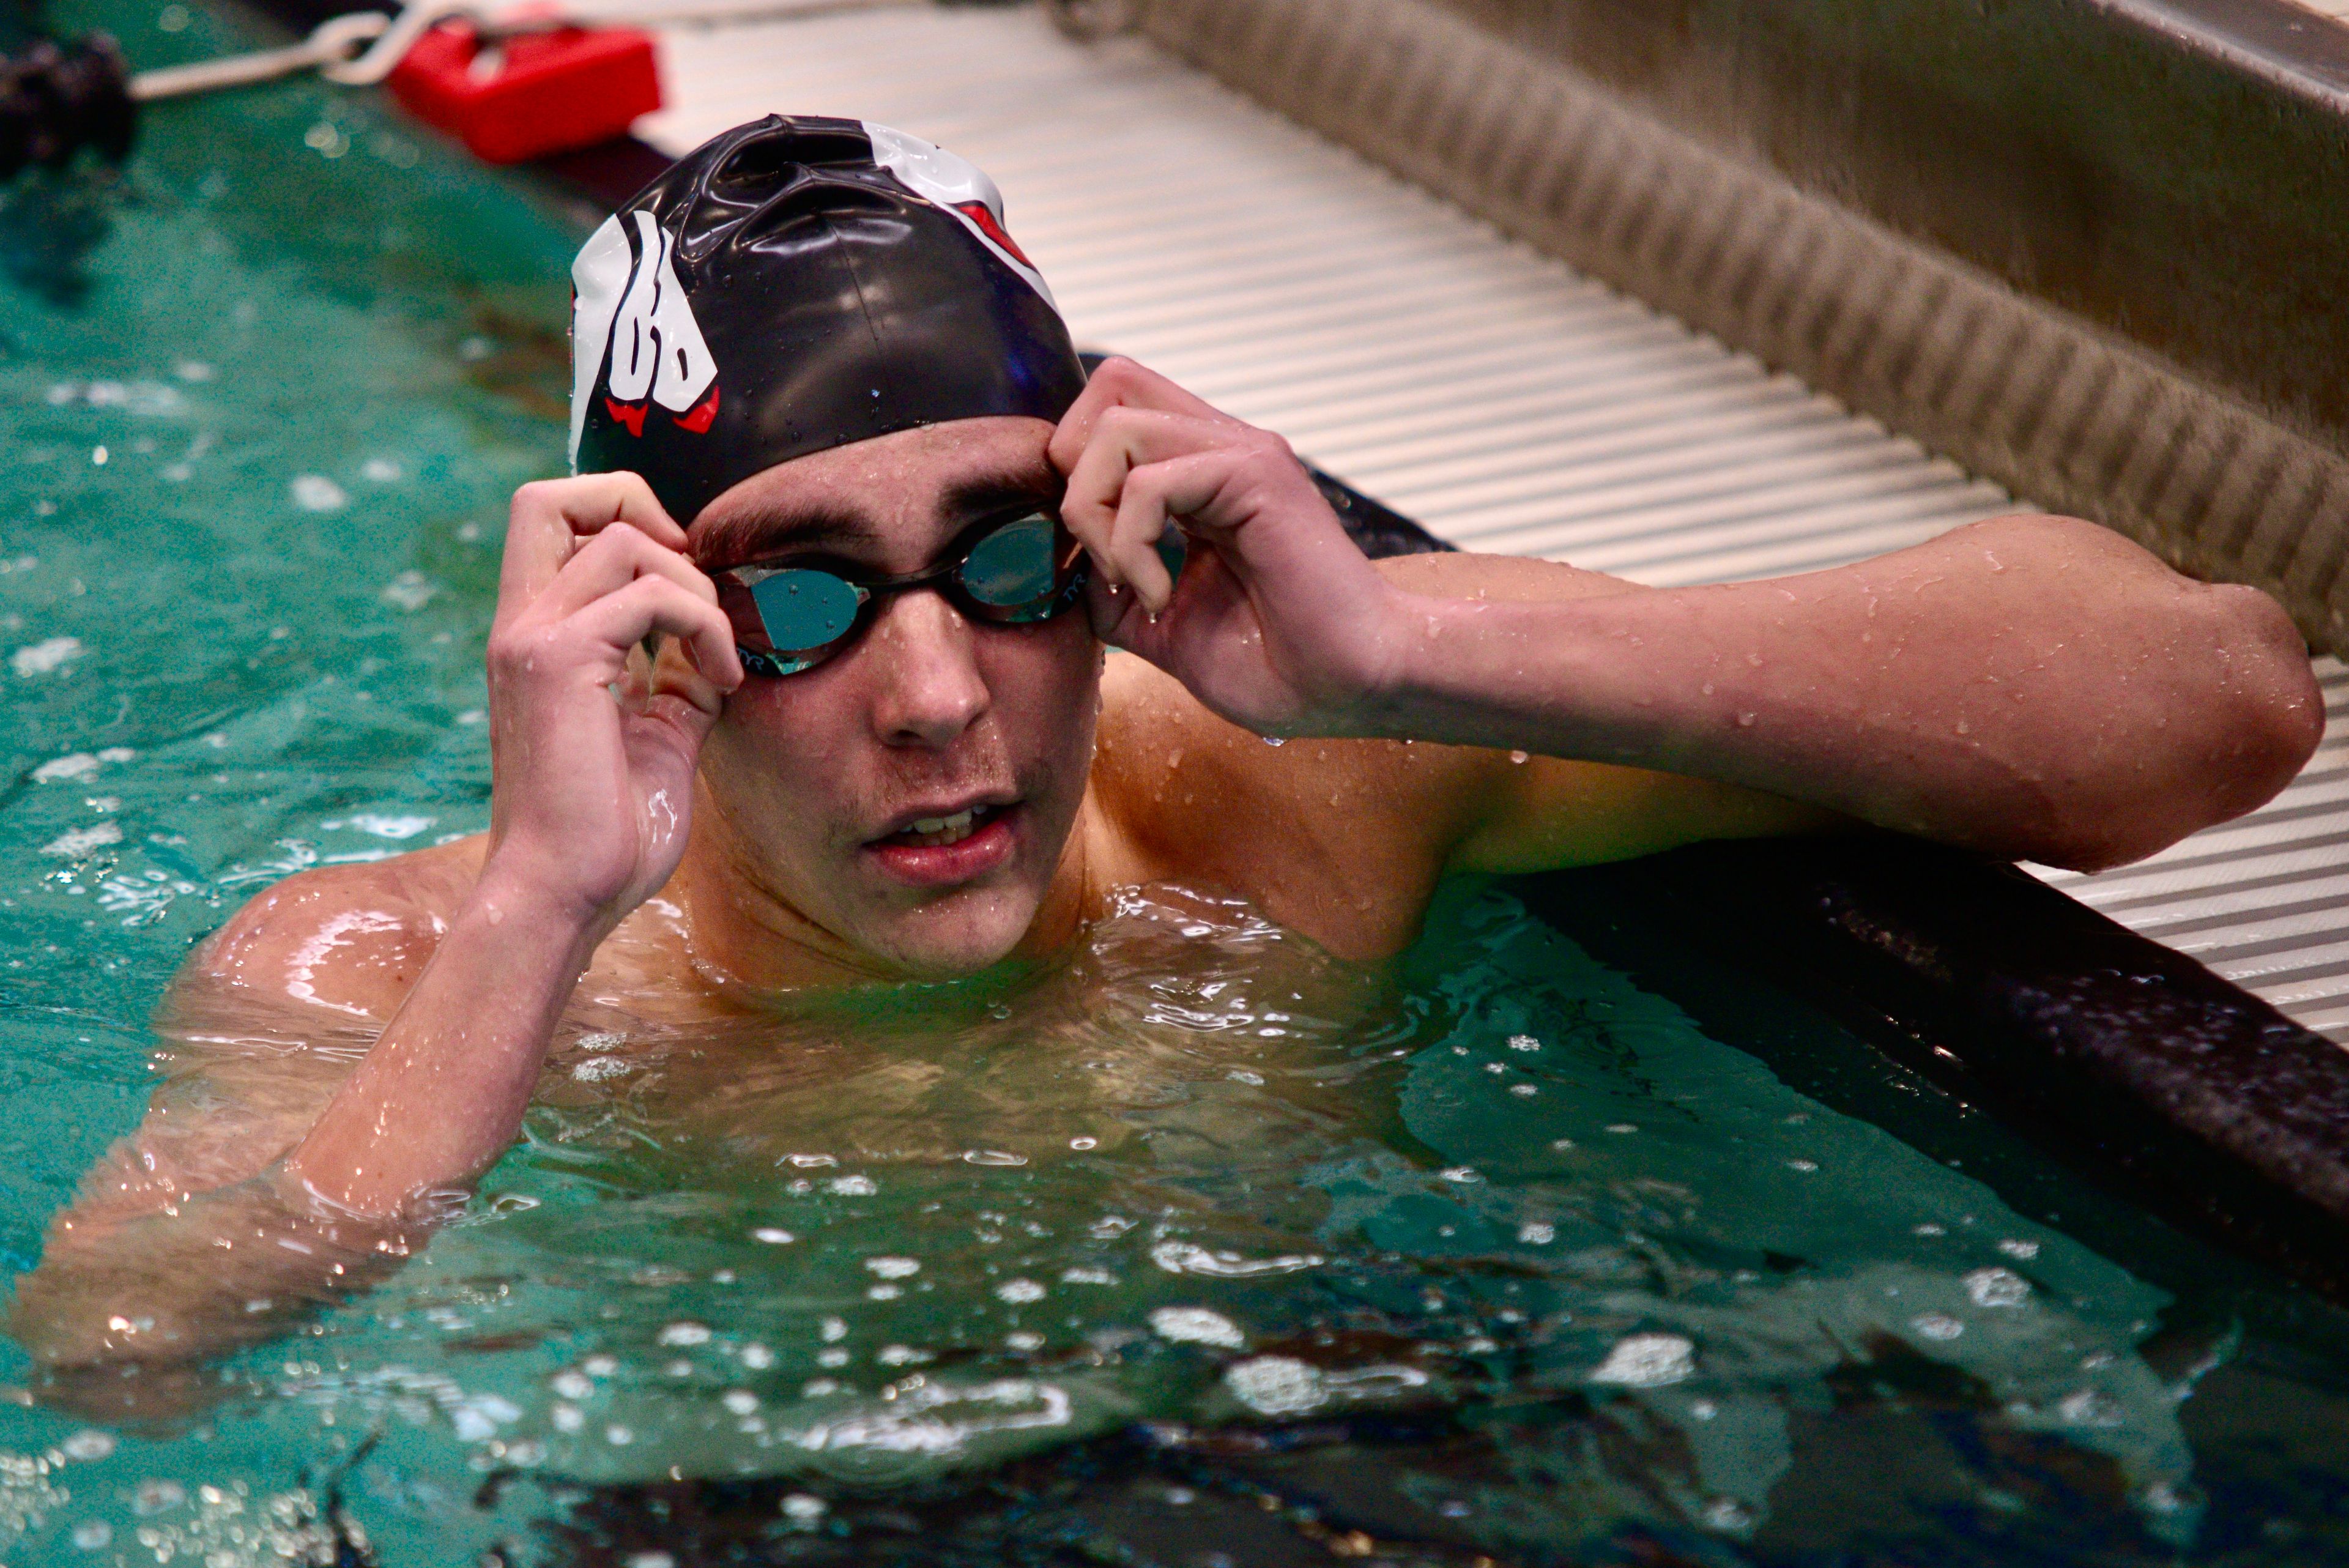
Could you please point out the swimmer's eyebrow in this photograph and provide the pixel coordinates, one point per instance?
(756, 535)
(971, 499)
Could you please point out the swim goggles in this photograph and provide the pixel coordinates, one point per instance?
(1011, 569)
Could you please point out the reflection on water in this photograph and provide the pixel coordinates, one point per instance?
(49, 224)
(1204, 1174)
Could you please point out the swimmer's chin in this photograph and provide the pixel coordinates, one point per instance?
(956, 938)
(945, 904)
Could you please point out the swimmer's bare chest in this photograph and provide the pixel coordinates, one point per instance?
(1173, 1015)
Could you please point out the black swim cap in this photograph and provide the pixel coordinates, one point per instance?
(795, 285)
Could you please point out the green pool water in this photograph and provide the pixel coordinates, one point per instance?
(1203, 1248)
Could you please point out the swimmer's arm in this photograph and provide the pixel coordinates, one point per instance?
(185, 1240)
(2033, 686)
(593, 754)
(257, 1192)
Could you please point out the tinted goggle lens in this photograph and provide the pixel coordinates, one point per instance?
(786, 619)
(1014, 566)
(801, 610)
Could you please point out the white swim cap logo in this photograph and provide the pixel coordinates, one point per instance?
(958, 185)
(630, 310)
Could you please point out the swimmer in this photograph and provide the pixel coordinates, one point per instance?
(852, 655)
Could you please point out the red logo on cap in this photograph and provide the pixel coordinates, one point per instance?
(631, 416)
(697, 418)
(977, 213)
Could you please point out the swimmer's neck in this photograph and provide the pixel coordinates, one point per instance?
(747, 940)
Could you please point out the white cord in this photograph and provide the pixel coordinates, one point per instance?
(363, 48)
(334, 41)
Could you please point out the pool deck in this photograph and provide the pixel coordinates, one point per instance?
(1497, 396)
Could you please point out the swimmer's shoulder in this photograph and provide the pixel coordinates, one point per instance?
(1342, 840)
(351, 939)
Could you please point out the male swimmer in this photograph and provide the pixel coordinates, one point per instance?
(802, 684)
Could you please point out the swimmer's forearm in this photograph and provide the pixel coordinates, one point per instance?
(441, 1094)
(2032, 687)
(438, 1098)
(220, 1269)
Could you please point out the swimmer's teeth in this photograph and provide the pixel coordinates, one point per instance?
(936, 832)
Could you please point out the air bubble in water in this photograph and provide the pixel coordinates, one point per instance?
(1646, 1361)
(1997, 1288)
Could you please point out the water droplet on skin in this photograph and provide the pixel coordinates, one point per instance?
(1745, 721)
(1273, 740)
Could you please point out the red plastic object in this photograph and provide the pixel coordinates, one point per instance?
(538, 92)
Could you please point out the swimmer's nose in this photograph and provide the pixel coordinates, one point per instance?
(930, 687)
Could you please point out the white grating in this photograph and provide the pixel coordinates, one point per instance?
(2263, 900)
(1500, 397)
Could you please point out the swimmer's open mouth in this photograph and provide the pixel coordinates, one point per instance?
(937, 832)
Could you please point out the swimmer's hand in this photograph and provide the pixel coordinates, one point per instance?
(593, 751)
(1278, 622)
